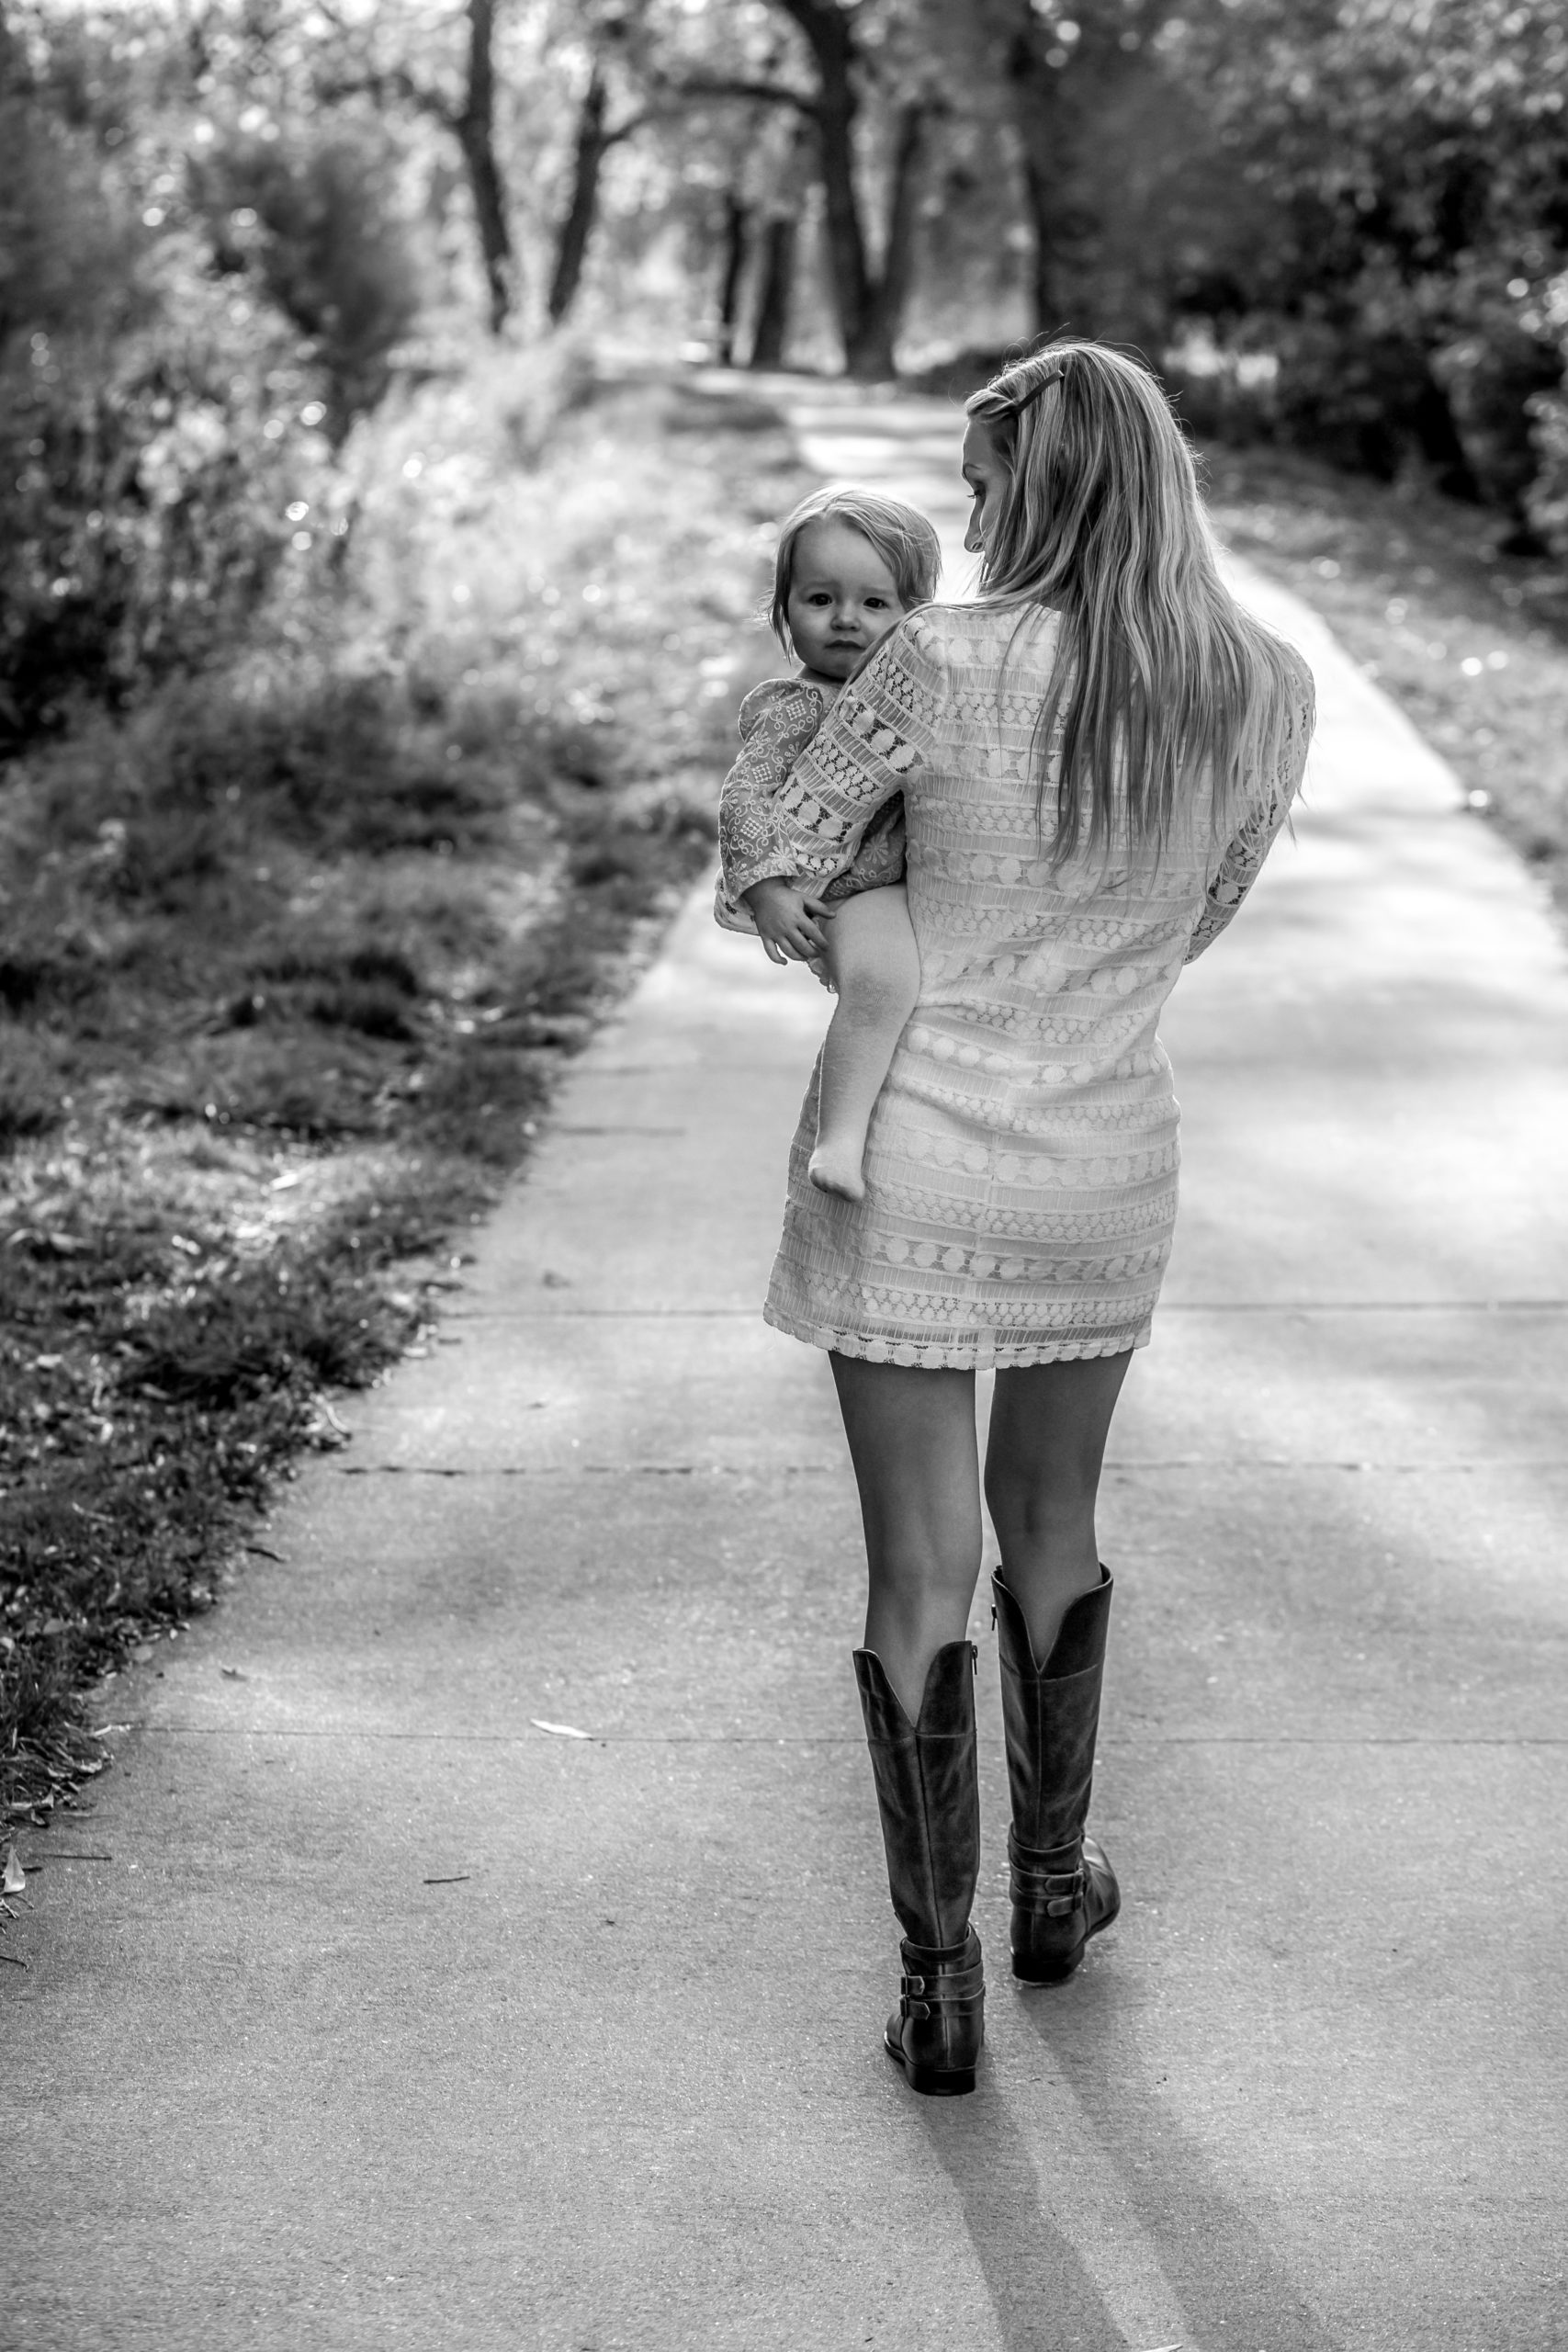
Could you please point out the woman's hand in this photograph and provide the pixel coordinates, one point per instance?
(789, 923)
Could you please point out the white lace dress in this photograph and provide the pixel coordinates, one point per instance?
(1021, 1167)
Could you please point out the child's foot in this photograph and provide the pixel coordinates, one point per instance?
(836, 1170)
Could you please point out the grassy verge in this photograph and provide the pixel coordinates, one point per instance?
(1473, 645)
(290, 962)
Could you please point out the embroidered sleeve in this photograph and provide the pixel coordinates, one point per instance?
(1243, 860)
(777, 721)
(872, 744)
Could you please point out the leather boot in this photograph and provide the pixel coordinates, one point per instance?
(929, 1795)
(1064, 1890)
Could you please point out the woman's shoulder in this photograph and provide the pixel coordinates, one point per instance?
(971, 631)
(780, 702)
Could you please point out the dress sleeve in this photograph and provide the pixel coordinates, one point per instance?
(777, 721)
(1243, 860)
(872, 744)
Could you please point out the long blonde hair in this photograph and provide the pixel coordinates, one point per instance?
(1158, 675)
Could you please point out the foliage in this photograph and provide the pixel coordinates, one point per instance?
(315, 219)
(1404, 165)
(181, 337)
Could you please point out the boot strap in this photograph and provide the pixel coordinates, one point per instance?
(1050, 1894)
(950, 1992)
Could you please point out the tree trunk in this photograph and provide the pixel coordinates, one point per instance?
(737, 221)
(779, 237)
(888, 292)
(571, 242)
(1036, 110)
(867, 353)
(475, 128)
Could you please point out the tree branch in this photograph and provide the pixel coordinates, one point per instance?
(397, 83)
(768, 94)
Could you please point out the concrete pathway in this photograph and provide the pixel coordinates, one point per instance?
(495, 1949)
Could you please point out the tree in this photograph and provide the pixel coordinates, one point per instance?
(849, 52)
(367, 56)
(1407, 168)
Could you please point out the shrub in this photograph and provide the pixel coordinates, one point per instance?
(318, 223)
(169, 398)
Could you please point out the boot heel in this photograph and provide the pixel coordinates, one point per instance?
(1031, 1970)
(936, 2082)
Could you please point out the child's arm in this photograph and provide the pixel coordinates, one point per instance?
(777, 721)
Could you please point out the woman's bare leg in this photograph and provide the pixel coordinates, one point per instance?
(876, 966)
(912, 1442)
(1049, 1424)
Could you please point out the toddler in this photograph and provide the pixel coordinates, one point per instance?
(850, 564)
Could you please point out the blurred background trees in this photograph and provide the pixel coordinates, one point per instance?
(229, 229)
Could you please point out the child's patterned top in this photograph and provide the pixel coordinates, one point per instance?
(777, 721)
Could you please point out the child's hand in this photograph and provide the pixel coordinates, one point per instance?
(788, 922)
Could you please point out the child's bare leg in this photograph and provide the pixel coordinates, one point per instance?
(875, 968)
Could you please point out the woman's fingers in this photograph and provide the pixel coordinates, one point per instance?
(774, 952)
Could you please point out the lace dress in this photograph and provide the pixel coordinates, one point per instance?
(777, 721)
(1021, 1166)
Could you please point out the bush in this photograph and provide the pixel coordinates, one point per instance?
(319, 225)
(169, 399)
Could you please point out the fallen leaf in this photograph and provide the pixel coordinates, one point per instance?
(142, 1653)
(562, 1731)
(13, 1877)
(232, 1674)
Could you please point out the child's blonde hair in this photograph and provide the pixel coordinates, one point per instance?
(901, 534)
(1158, 672)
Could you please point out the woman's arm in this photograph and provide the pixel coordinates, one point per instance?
(1243, 861)
(777, 721)
(873, 740)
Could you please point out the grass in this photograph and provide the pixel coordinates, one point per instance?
(1471, 644)
(293, 956)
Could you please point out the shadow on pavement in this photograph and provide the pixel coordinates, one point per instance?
(1230, 2285)
(1043, 2298)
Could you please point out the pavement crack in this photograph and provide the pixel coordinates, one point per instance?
(588, 1469)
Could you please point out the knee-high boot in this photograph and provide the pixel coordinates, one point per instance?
(928, 1793)
(1064, 1890)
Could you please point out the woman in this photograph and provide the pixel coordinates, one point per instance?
(1094, 758)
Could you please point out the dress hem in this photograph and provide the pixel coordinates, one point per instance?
(1066, 1349)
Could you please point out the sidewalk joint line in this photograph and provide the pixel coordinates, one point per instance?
(592, 1469)
(832, 1740)
(1169, 1306)
(1124, 1463)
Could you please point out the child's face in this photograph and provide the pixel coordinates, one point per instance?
(842, 597)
